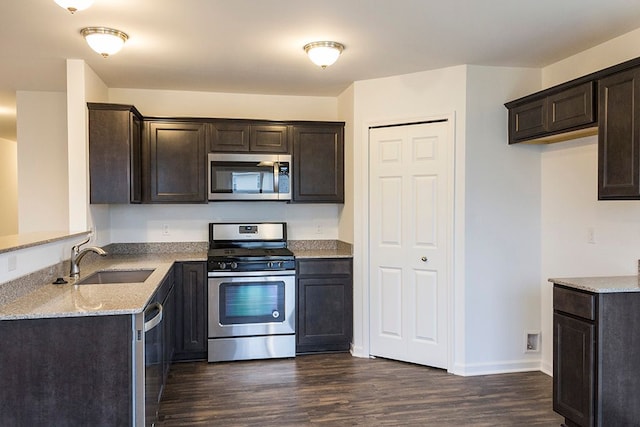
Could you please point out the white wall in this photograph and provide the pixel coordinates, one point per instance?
(345, 112)
(502, 227)
(495, 294)
(8, 187)
(610, 53)
(82, 85)
(398, 99)
(21, 262)
(135, 223)
(226, 105)
(43, 202)
(569, 203)
(188, 223)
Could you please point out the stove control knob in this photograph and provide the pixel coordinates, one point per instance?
(222, 265)
(277, 264)
(234, 265)
(270, 264)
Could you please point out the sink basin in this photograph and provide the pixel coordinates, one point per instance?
(116, 276)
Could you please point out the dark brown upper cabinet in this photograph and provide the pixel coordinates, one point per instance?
(245, 136)
(553, 115)
(176, 161)
(115, 138)
(318, 163)
(619, 136)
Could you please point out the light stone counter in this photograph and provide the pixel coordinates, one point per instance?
(320, 249)
(70, 300)
(604, 284)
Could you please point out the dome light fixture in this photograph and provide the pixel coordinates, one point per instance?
(323, 54)
(74, 5)
(105, 41)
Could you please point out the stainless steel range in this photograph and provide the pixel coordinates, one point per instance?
(251, 279)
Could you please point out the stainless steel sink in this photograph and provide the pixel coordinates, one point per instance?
(116, 276)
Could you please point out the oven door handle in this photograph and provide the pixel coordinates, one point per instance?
(155, 321)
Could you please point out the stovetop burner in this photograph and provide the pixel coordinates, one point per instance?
(251, 253)
(249, 247)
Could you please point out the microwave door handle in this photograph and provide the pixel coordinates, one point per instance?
(276, 177)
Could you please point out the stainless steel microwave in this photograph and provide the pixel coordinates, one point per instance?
(249, 176)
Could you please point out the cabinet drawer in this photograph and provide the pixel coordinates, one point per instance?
(579, 304)
(324, 267)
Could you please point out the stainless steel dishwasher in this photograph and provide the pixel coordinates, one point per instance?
(149, 364)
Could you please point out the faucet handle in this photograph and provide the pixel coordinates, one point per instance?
(76, 248)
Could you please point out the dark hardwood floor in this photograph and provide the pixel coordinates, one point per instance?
(341, 390)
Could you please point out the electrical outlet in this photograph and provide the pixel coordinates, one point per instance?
(319, 229)
(591, 235)
(165, 229)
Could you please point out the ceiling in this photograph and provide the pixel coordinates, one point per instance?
(255, 46)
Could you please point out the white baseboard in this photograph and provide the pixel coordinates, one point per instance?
(505, 367)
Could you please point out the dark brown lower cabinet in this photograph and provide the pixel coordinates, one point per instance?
(324, 305)
(66, 372)
(191, 311)
(80, 371)
(596, 348)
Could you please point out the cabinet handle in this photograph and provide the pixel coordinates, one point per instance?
(424, 259)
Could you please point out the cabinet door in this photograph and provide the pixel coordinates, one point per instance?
(573, 369)
(269, 139)
(571, 108)
(73, 371)
(177, 162)
(324, 314)
(115, 169)
(229, 137)
(324, 305)
(318, 159)
(619, 136)
(528, 120)
(191, 311)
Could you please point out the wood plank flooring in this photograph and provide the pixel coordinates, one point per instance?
(341, 390)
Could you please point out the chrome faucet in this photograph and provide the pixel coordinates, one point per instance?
(77, 255)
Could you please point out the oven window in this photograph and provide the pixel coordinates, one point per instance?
(251, 302)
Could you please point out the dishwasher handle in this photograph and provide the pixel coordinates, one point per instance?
(155, 321)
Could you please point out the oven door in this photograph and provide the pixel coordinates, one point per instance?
(256, 305)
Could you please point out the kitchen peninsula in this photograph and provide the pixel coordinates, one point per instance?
(596, 348)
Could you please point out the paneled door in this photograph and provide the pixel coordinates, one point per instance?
(410, 211)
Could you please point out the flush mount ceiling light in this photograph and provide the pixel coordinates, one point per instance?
(105, 41)
(323, 54)
(74, 5)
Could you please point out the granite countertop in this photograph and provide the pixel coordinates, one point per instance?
(320, 249)
(70, 300)
(21, 241)
(35, 297)
(321, 253)
(601, 285)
